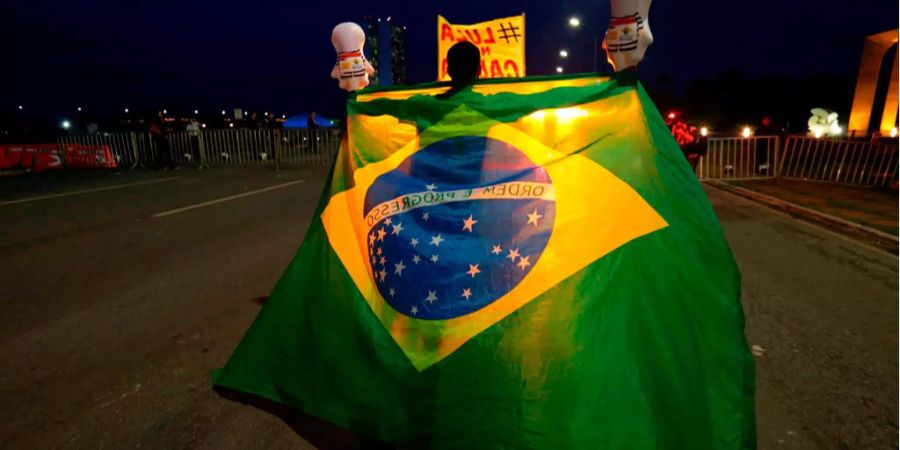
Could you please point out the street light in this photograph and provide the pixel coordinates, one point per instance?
(21, 107)
(574, 22)
(564, 53)
(66, 125)
(746, 132)
(894, 132)
(704, 131)
(559, 69)
(79, 109)
(196, 111)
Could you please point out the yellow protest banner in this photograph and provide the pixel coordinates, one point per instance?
(502, 44)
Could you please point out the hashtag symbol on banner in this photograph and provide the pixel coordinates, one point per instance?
(508, 33)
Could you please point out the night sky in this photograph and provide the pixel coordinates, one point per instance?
(276, 55)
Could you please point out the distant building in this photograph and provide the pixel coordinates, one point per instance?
(386, 50)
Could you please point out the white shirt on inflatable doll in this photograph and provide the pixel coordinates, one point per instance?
(629, 34)
(352, 69)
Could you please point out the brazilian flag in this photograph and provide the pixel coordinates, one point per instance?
(525, 264)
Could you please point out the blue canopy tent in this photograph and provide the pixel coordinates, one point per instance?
(300, 121)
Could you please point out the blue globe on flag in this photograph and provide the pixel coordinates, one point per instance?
(456, 226)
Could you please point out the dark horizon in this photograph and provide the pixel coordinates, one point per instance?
(105, 56)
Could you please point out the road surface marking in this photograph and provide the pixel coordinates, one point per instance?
(872, 248)
(224, 199)
(84, 191)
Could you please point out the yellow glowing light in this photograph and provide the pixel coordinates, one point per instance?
(817, 133)
(558, 117)
(704, 131)
(746, 132)
(567, 114)
(564, 53)
(575, 22)
(894, 132)
(559, 69)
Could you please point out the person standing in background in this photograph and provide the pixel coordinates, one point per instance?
(253, 122)
(193, 130)
(162, 155)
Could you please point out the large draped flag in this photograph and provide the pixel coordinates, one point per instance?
(525, 264)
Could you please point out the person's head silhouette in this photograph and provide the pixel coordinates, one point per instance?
(463, 63)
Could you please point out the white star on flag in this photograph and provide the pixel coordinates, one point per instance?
(467, 293)
(387, 221)
(497, 250)
(397, 229)
(372, 239)
(414, 242)
(381, 234)
(383, 274)
(513, 254)
(378, 251)
(533, 218)
(431, 186)
(392, 292)
(473, 270)
(416, 259)
(415, 309)
(467, 224)
(382, 260)
(523, 262)
(436, 240)
(425, 216)
(432, 296)
(434, 258)
(398, 268)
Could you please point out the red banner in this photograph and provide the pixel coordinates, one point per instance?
(41, 157)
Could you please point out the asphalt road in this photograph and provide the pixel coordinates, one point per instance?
(115, 304)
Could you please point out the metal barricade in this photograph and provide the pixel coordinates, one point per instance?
(219, 147)
(262, 146)
(736, 158)
(860, 163)
(130, 149)
(311, 147)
